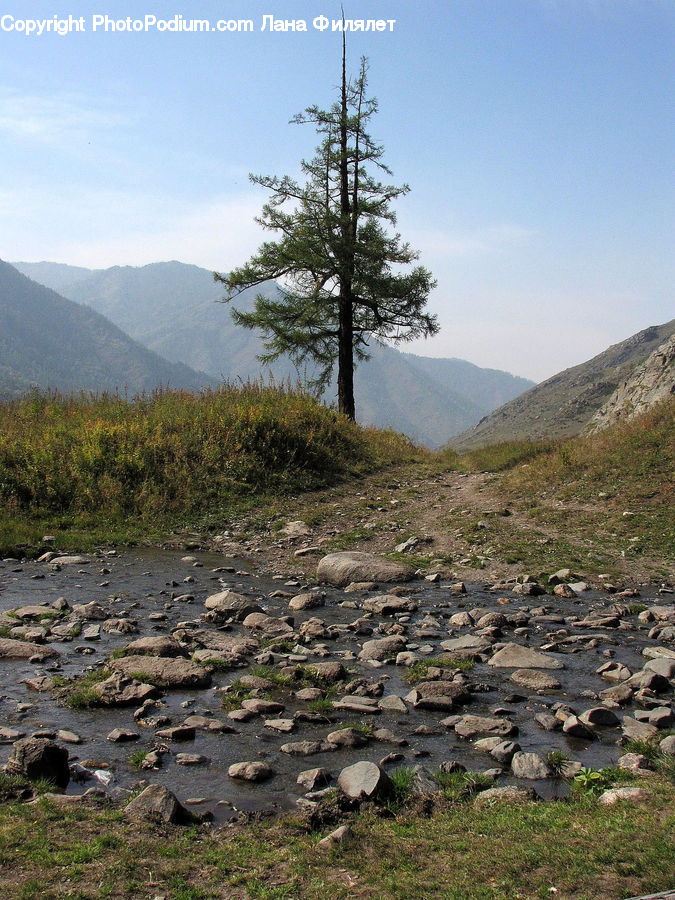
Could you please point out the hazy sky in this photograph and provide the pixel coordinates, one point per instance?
(537, 138)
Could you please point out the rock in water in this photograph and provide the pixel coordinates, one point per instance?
(342, 568)
(37, 759)
(515, 656)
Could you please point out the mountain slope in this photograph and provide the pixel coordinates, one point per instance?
(649, 383)
(170, 307)
(47, 341)
(564, 404)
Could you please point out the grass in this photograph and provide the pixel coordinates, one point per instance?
(93, 469)
(79, 693)
(419, 670)
(501, 852)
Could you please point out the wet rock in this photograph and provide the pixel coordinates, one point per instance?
(667, 745)
(92, 633)
(345, 567)
(154, 646)
(614, 671)
(659, 716)
(270, 625)
(120, 690)
(528, 589)
(177, 733)
(530, 766)
(535, 680)
(251, 771)
(167, 672)
(120, 626)
(663, 667)
(347, 737)
(382, 648)
(10, 649)
(365, 780)
(388, 605)
(437, 695)
(262, 707)
(504, 751)
(619, 694)
(476, 643)
(312, 779)
(10, 735)
(307, 601)
(470, 726)
(207, 724)
(191, 759)
(231, 604)
(392, 703)
(281, 726)
(576, 728)
(69, 561)
(328, 671)
(158, 805)
(363, 705)
(516, 656)
(600, 715)
(90, 611)
(306, 748)
(39, 759)
(122, 735)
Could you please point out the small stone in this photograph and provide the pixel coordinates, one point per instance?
(623, 795)
(530, 766)
(251, 771)
(121, 735)
(365, 781)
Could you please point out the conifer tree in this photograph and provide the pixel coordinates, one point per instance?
(338, 264)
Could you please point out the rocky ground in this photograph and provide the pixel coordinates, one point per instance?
(237, 691)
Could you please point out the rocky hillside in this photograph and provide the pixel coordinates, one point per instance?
(49, 342)
(171, 308)
(563, 405)
(649, 383)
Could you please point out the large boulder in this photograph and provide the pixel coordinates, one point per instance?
(342, 568)
(440, 695)
(119, 690)
(365, 781)
(38, 759)
(382, 648)
(162, 645)
(163, 672)
(388, 605)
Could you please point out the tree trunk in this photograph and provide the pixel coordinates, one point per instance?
(346, 403)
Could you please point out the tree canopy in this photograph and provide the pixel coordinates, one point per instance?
(341, 269)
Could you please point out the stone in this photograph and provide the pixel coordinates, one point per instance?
(474, 642)
(90, 611)
(159, 805)
(392, 703)
(667, 745)
(191, 759)
(619, 694)
(262, 707)
(504, 751)
(663, 667)
(307, 601)
(576, 728)
(39, 759)
(163, 671)
(10, 735)
(516, 656)
(281, 726)
(347, 737)
(311, 779)
(231, 604)
(251, 771)
(388, 605)
(119, 690)
(295, 529)
(382, 648)
(177, 733)
(640, 731)
(535, 680)
(600, 715)
(206, 724)
(340, 836)
(623, 795)
(122, 735)
(306, 748)
(422, 783)
(511, 793)
(327, 671)
(439, 695)
(342, 568)
(69, 561)
(365, 780)
(11, 649)
(470, 726)
(530, 766)
(154, 646)
(68, 737)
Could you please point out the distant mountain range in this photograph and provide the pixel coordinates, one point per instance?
(47, 341)
(563, 406)
(170, 308)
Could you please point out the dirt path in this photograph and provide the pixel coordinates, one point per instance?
(463, 527)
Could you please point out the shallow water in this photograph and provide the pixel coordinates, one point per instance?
(143, 582)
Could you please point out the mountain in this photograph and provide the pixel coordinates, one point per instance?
(563, 405)
(648, 384)
(170, 307)
(47, 341)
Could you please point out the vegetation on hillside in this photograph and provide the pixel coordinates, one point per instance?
(174, 454)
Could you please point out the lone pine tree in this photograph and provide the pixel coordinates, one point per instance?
(338, 265)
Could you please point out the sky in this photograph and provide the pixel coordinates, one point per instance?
(537, 138)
